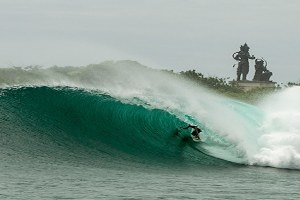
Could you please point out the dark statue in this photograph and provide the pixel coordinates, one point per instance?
(242, 57)
(261, 72)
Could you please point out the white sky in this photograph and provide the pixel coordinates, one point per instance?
(167, 34)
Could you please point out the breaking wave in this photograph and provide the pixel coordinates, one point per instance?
(123, 112)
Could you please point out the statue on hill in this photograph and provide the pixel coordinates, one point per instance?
(261, 71)
(242, 57)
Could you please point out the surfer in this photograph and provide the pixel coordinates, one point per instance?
(196, 131)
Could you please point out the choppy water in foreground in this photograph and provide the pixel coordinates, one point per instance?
(58, 181)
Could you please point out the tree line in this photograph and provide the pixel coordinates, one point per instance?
(223, 86)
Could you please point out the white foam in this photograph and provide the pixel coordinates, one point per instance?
(279, 145)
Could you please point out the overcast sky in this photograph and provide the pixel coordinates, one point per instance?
(168, 34)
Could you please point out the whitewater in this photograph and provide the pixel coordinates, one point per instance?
(109, 128)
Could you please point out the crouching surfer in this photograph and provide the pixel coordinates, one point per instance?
(195, 131)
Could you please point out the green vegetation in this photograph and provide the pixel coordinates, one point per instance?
(293, 84)
(222, 85)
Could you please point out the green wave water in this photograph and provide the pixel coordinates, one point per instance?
(61, 123)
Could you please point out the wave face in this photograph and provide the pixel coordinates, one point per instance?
(119, 113)
(48, 122)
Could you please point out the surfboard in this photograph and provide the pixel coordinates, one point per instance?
(195, 139)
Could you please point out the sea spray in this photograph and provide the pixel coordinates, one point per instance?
(280, 142)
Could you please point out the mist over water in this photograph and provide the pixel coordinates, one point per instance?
(266, 135)
(279, 143)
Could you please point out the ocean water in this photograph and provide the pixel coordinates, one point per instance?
(113, 131)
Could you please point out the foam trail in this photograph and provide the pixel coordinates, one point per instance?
(279, 145)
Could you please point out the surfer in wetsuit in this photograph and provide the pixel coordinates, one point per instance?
(196, 131)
